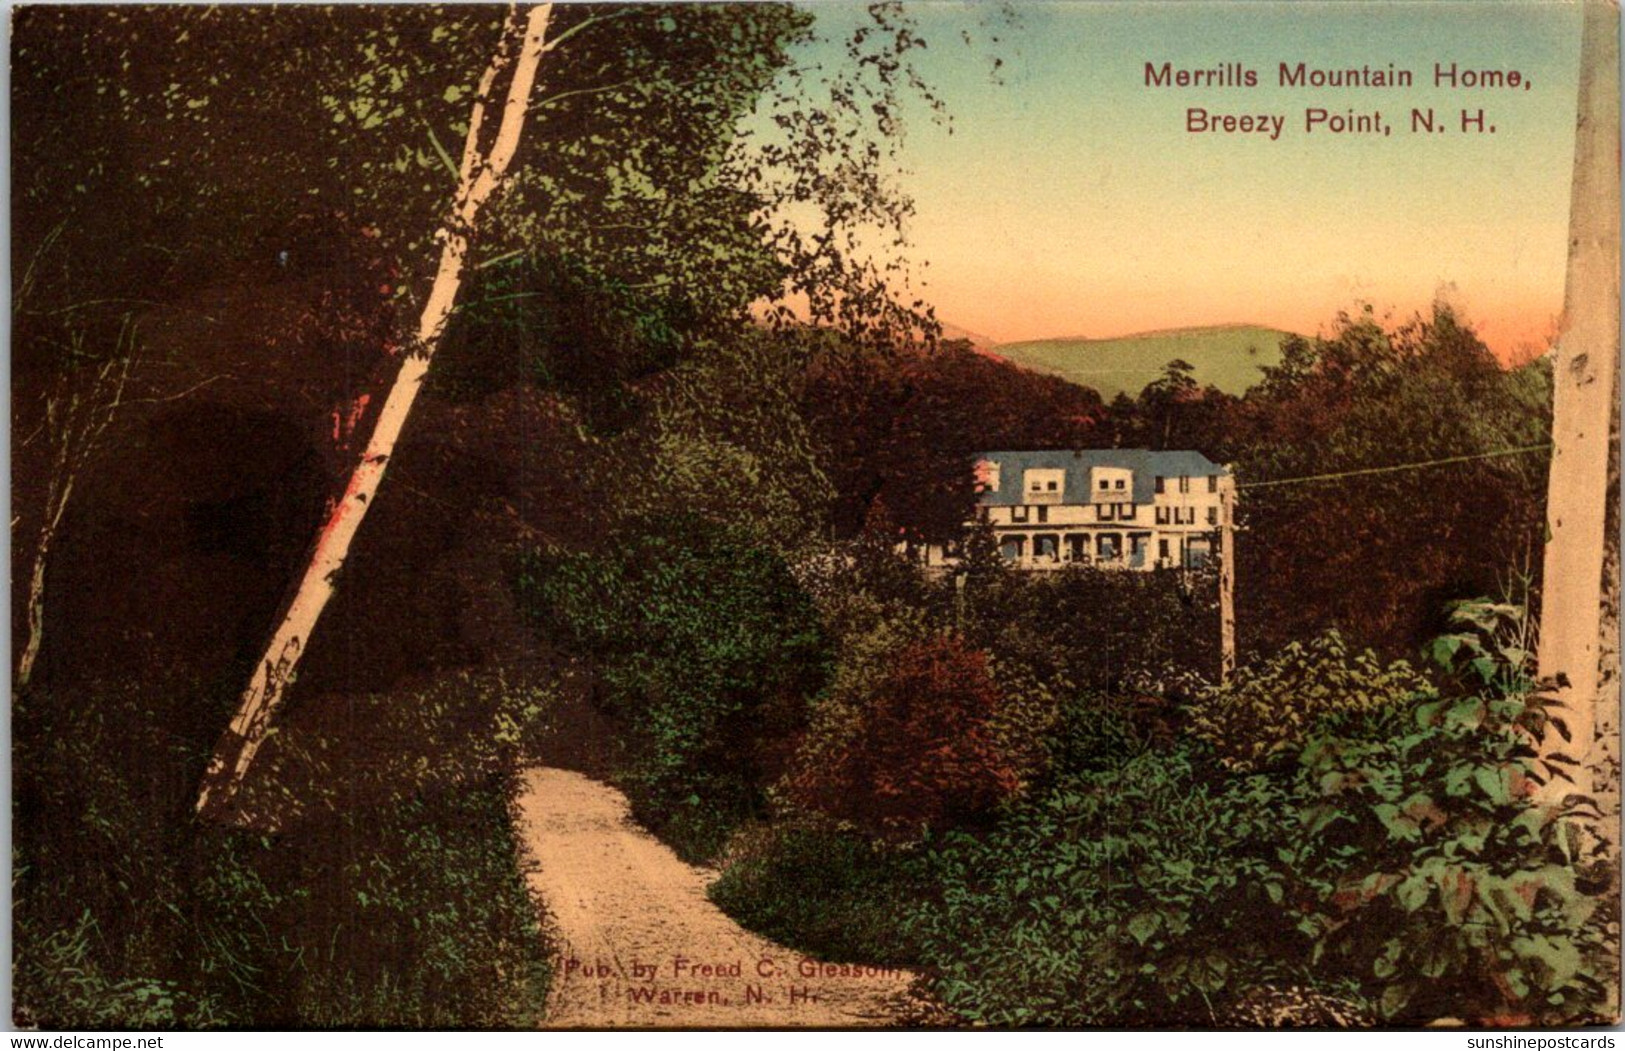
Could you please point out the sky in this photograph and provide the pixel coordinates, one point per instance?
(1068, 198)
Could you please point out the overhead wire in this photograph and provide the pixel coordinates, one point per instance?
(1396, 467)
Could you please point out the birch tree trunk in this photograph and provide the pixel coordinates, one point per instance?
(74, 421)
(1583, 392)
(484, 168)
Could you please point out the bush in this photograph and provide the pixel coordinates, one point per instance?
(1263, 715)
(390, 892)
(831, 894)
(422, 914)
(920, 753)
(1443, 887)
(1137, 894)
(1096, 629)
(705, 651)
(1022, 726)
(1094, 732)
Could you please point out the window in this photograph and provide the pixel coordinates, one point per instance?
(1012, 547)
(1162, 516)
(1105, 512)
(1018, 513)
(1043, 514)
(1037, 487)
(1184, 483)
(1104, 484)
(1125, 512)
(1160, 481)
(1213, 516)
(1212, 483)
(1162, 549)
(1119, 483)
(1052, 487)
(1107, 546)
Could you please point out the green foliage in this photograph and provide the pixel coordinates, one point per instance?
(833, 895)
(705, 649)
(1445, 888)
(729, 443)
(1136, 894)
(1099, 630)
(1092, 732)
(1491, 646)
(1263, 714)
(422, 914)
(1022, 726)
(60, 975)
(1355, 836)
(390, 893)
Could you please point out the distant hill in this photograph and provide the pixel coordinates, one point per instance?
(978, 342)
(1227, 356)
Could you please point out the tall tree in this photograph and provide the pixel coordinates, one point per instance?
(679, 157)
(637, 180)
(505, 92)
(1584, 379)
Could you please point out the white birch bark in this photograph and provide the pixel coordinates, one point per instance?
(483, 170)
(1583, 392)
(75, 422)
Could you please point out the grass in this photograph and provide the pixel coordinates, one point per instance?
(833, 895)
(1229, 357)
(392, 893)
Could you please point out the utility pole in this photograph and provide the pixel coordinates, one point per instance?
(1227, 577)
(1583, 380)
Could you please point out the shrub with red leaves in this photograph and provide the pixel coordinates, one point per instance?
(922, 754)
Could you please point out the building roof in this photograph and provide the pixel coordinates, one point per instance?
(1080, 464)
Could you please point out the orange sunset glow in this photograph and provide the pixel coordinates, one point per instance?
(1070, 196)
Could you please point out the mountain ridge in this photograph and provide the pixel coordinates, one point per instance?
(1230, 357)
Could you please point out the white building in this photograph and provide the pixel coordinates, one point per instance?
(1112, 508)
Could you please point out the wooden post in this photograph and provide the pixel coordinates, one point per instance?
(1227, 577)
(1583, 395)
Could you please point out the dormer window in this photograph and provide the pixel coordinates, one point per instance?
(1104, 484)
(1043, 485)
(1119, 483)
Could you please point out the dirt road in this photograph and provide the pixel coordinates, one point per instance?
(641, 946)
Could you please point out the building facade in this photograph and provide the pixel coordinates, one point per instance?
(1110, 508)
